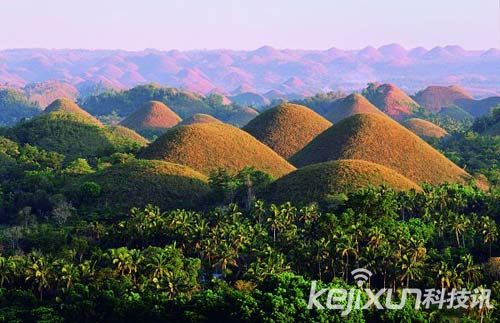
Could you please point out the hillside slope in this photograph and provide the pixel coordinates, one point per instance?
(287, 128)
(425, 129)
(207, 147)
(152, 116)
(383, 141)
(391, 100)
(334, 177)
(139, 182)
(349, 106)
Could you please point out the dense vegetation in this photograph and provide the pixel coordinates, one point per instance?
(185, 104)
(14, 106)
(89, 232)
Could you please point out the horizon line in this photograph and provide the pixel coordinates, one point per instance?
(244, 49)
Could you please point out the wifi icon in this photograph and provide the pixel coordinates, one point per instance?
(361, 275)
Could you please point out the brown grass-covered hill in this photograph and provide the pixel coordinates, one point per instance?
(287, 128)
(425, 129)
(333, 177)
(207, 147)
(152, 116)
(67, 106)
(199, 118)
(139, 182)
(381, 140)
(434, 98)
(350, 105)
(391, 100)
(74, 135)
(242, 116)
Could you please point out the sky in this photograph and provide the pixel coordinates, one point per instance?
(247, 24)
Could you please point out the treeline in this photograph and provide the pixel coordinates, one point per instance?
(234, 264)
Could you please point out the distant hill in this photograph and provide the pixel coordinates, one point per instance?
(425, 129)
(434, 98)
(479, 108)
(44, 93)
(207, 147)
(152, 116)
(287, 128)
(249, 99)
(391, 100)
(456, 113)
(241, 117)
(349, 106)
(383, 141)
(258, 71)
(316, 182)
(489, 124)
(139, 182)
(14, 106)
(68, 106)
(126, 102)
(199, 118)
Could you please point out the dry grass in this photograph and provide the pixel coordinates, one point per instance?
(350, 105)
(199, 118)
(206, 147)
(287, 128)
(425, 129)
(436, 97)
(381, 140)
(139, 182)
(392, 100)
(68, 106)
(152, 115)
(315, 182)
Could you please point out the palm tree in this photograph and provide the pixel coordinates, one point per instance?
(459, 223)
(489, 231)
(69, 274)
(346, 247)
(470, 271)
(39, 272)
(444, 274)
(411, 269)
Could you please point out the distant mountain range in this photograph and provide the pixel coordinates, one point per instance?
(270, 72)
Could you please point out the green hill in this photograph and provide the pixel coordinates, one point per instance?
(315, 182)
(241, 117)
(68, 106)
(140, 182)
(207, 147)
(381, 140)
(14, 106)
(73, 135)
(287, 128)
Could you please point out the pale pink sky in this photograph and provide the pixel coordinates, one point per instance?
(247, 24)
